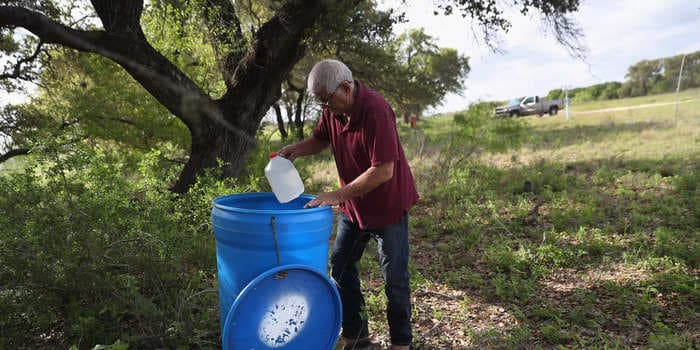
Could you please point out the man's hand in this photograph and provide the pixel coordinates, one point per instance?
(289, 151)
(310, 145)
(330, 198)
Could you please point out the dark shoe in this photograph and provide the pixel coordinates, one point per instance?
(399, 347)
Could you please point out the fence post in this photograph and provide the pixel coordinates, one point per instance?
(678, 87)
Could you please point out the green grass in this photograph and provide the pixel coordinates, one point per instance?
(649, 133)
(580, 233)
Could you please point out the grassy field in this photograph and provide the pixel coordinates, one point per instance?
(685, 95)
(530, 233)
(651, 133)
(586, 236)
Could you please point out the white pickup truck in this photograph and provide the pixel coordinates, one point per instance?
(527, 106)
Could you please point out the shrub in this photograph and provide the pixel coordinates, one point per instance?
(94, 254)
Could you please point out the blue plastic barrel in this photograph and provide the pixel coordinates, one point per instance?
(245, 227)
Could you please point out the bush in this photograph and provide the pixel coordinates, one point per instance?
(625, 90)
(555, 94)
(610, 91)
(93, 253)
(477, 129)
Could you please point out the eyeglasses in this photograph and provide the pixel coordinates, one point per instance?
(326, 103)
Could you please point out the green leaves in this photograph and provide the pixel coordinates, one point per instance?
(477, 127)
(425, 73)
(7, 42)
(180, 35)
(91, 256)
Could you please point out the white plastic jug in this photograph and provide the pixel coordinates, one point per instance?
(284, 178)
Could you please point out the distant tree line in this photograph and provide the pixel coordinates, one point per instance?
(647, 77)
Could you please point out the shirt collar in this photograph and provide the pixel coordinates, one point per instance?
(360, 92)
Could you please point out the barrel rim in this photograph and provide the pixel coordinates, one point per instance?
(216, 204)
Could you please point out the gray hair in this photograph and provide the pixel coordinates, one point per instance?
(326, 75)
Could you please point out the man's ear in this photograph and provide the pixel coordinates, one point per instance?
(347, 85)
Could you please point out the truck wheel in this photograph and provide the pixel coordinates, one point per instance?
(553, 110)
(514, 113)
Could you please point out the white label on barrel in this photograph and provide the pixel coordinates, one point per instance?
(283, 320)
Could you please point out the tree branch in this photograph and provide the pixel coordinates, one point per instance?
(50, 31)
(119, 120)
(170, 86)
(176, 161)
(120, 17)
(277, 47)
(567, 34)
(17, 71)
(226, 36)
(291, 85)
(13, 153)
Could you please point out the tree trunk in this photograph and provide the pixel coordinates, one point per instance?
(280, 121)
(306, 109)
(298, 121)
(215, 143)
(290, 118)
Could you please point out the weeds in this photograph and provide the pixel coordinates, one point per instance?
(530, 233)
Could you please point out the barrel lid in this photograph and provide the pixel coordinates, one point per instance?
(286, 307)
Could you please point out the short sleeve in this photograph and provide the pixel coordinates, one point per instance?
(322, 129)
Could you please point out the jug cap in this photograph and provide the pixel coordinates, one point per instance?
(273, 154)
(288, 307)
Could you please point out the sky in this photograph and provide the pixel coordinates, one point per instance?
(617, 33)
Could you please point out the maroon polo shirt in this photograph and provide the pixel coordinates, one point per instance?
(369, 139)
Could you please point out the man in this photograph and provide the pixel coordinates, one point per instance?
(377, 191)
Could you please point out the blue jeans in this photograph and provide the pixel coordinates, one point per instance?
(350, 243)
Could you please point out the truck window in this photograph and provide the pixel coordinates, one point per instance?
(529, 100)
